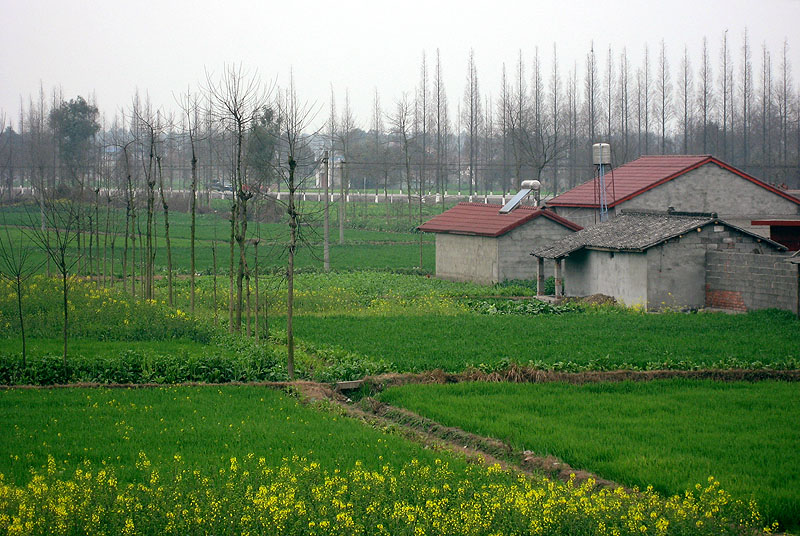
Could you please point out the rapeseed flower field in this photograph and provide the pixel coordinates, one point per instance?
(299, 496)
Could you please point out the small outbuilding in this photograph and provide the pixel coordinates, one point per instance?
(475, 242)
(689, 183)
(649, 259)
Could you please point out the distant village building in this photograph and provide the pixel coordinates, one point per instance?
(686, 183)
(660, 260)
(474, 242)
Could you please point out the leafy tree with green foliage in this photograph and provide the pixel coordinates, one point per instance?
(74, 123)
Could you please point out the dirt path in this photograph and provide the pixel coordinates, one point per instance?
(517, 374)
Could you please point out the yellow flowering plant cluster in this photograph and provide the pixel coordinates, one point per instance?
(95, 312)
(248, 496)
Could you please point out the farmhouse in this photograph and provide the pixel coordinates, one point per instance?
(475, 242)
(687, 183)
(653, 259)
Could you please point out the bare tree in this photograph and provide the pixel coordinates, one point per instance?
(685, 90)
(725, 79)
(379, 150)
(518, 118)
(766, 110)
(347, 126)
(538, 141)
(747, 97)
(555, 114)
(504, 117)
(623, 96)
(643, 107)
(609, 93)
(572, 122)
(17, 266)
(151, 129)
(297, 162)
(165, 208)
(440, 102)
(59, 244)
(191, 111)
(662, 104)
(472, 118)
(329, 183)
(705, 95)
(236, 97)
(591, 93)
(401, 127)
(422, 124)
(784, 99)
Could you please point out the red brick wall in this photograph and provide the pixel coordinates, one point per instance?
(725, 299)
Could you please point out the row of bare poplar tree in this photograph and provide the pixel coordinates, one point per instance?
(77, 176)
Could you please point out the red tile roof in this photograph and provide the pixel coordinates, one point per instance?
(643, 174)
(485, 220)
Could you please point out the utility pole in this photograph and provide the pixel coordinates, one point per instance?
(342, 178)
(326, 248)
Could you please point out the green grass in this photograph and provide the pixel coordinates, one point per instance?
(604, 339)
(669, 434)
(205, 425)
(362, 249)
(236, 460)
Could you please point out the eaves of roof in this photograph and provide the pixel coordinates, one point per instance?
(627, 231)
(478, 219)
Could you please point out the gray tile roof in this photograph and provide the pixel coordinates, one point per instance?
(632, 231)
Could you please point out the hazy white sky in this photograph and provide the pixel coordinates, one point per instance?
(111, 48)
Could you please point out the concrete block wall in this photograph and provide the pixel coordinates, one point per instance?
(747, 281)
(514, 248)
(677, 268)
(467, 258)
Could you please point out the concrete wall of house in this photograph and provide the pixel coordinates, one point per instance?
(585, 217)
(514, 253)
(711, 188)
(676, 273)
(672, 274)
(466, 258)
(746, 281)
(621, 275)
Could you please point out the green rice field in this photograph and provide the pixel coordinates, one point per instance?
(668, 434)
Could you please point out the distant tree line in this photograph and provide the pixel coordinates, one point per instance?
(540, 125)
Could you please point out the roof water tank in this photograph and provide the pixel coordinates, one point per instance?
(601, 154)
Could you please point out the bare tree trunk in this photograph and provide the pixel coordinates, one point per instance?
(165, 206)
(255, 269)
(247, 302)
(290, 272)
(64, 288)
(230, 268)
(342, 200)
(193, 230)
(21, 320)
(326, 223)
(214, 276)
(133, 255)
